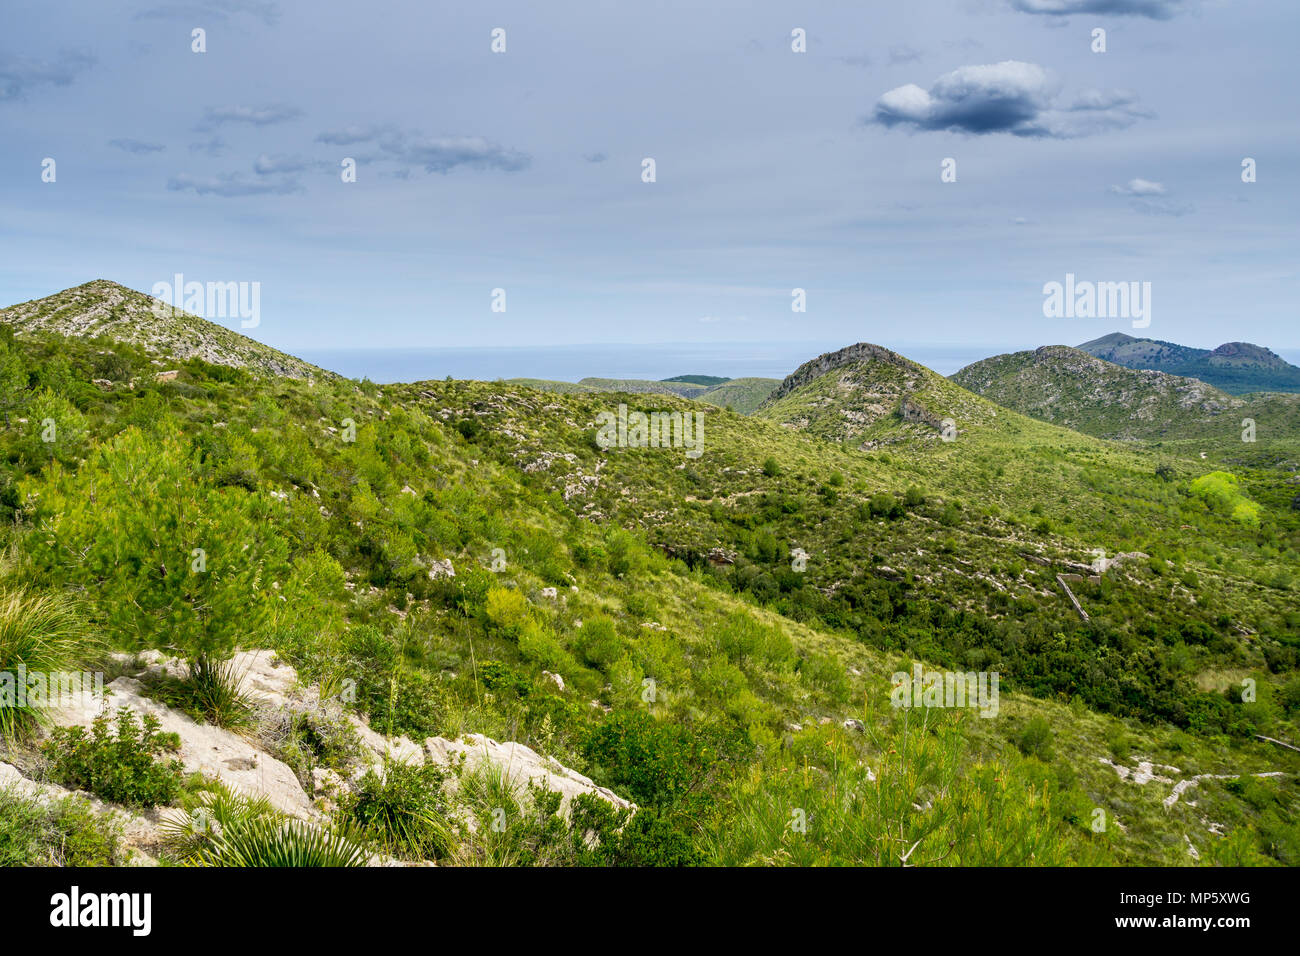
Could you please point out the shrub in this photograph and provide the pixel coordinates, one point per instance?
(771, 467)
(506, 609)
(598, 642)
(44, 635)
(401, 810)
(211, 691)
(117, 764)
(1036, 739)
(271, 842)
(67, 832)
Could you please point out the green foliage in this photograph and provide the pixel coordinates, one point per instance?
(41, 634)
(401, 810)
(161, 549)
(36, 832)
(1036, 739)
(270, 842)
(117, 763)
(1221, 491)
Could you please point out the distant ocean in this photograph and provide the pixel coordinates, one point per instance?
(569, 363)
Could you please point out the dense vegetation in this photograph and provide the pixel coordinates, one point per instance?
(736, 691)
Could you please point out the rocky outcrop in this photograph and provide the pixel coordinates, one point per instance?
(815, 368)
(521, 765)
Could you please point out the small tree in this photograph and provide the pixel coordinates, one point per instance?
(170, 560)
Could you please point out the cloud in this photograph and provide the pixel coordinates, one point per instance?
(595, 157)
(442, 154)
(903, 54)
(254, 115)
(136, 146)
(437, 154)
(19, 75)
(1139, 187)
(212, 147)
(1150, 198)
(349, 135)
(1155, 9)
(274, 165)
(266, 10)
(231, 185)
(862, 60)
(1007, 97)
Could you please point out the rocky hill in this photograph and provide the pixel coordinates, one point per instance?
(866, 395)
(1072, 388)
(103, 308)
(1236, 367)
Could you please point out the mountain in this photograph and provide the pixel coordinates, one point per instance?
(103, 308)
(866, 395)
(1072, 388)
(1235, 367)
(716, 638)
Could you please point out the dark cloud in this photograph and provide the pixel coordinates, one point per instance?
(1155, 9)
(232, 185)
(1008, 97)
(19, 74)
(136, 146)
(216, 116)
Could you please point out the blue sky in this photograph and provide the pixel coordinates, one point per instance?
(775, 169)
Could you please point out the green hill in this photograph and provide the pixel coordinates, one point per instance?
(1071, 388)
(103, 308)
(1235, 367)
(727, 630)
(743, 395)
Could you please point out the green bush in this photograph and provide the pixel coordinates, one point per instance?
(117, 764)
(44, 635)
(1036, 739)
(401, 810)
(35, 832)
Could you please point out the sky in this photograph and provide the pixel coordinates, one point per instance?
(774, 169)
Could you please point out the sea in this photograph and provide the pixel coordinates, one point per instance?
(569, 363)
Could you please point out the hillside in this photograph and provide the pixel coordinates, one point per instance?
(715, 639)
(1235, 367)
(1071, 388)
(743, 395)
(103, 308)
(643, 386)
(866, 396)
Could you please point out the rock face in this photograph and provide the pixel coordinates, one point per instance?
(814, 368)
(522, 764)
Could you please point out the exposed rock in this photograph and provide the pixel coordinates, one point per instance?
(441, 569)
(208, 749)
(521, 764)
